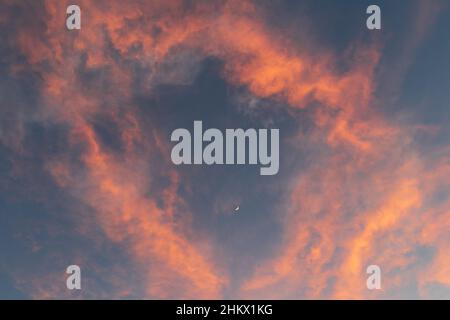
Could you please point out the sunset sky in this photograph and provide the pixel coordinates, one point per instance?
(86, 176)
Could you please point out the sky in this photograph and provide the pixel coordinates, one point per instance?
(86, 176)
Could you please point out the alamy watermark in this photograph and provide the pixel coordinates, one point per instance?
(73, 21)
(234, 151)
(73, 281)
(374, 280)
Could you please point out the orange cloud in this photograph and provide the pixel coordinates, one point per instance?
(369, 184)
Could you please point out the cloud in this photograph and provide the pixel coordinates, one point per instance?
(364, 193)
